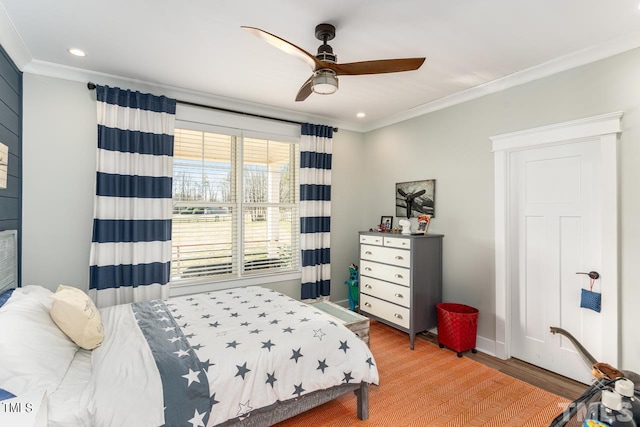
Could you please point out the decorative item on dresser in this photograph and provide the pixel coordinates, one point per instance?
(423, 224)
(386, 223)
(401, 280)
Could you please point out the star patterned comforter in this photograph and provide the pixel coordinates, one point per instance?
(208, 359)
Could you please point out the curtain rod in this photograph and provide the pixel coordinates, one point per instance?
(92, 86)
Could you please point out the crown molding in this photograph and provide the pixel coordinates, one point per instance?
(12, 42)
(64, 72)
(557, 65)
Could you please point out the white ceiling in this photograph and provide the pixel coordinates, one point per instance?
(471, 47)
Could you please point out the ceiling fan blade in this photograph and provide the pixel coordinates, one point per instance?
(305, 90)
(285, 46)
(376, 67)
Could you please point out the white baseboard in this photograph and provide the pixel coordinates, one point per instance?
(485, 345)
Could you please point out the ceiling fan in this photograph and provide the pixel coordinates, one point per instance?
(326, 69)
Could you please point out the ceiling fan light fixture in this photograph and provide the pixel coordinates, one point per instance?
(324, 82)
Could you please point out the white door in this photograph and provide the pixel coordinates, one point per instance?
(555, 232)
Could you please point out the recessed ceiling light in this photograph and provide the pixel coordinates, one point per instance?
(77, 52)
(360, 115)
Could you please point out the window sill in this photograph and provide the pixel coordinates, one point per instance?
(196, 286)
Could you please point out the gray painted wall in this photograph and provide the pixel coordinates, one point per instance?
(59, 150)
(453, 146)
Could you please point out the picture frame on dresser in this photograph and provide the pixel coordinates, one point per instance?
(386, 222)
(423, 224)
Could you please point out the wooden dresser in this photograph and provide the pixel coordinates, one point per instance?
(401, 279)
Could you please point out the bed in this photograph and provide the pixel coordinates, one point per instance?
(245, 356)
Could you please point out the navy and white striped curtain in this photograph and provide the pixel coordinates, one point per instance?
(131, 243)
(315, 209)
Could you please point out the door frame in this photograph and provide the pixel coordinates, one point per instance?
(604, 128)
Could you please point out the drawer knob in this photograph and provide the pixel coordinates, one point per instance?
(399, 296)
(399, 257)
(368, 253)
(367, 269)
(398, 316)
(398, 276)
(367, 304)
(368, 286)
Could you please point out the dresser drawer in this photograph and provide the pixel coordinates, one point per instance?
(389, 273)
(387, 291)
(394, 256)
(385, 310)
(397, 242)
(371, 240)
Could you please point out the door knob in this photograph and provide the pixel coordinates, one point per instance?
(592, 274)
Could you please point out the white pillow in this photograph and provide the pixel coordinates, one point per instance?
(77, 316)
(35, 353)
(38, 292)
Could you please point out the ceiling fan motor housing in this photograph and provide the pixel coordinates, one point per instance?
(327, 56)
(324, 33)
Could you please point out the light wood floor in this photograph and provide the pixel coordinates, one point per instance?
(546, 380)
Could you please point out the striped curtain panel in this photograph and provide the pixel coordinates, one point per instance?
(131, 243)
(315, 209)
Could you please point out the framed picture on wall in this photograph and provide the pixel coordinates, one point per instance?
(4, 165)
(416, 198)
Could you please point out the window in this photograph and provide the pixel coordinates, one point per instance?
(235, 206)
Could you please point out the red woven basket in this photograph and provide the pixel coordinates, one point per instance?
(457, 326)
